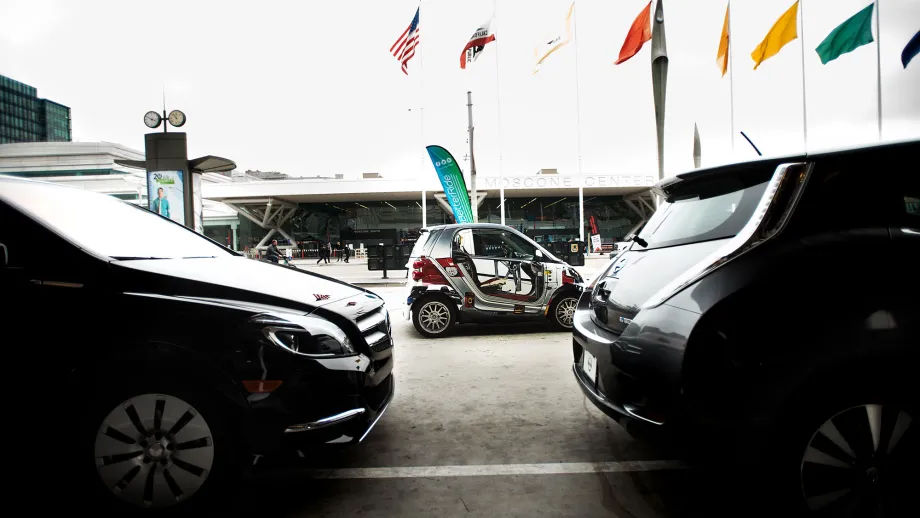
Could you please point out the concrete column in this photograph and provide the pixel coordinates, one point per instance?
(581, 214)
(424, 208)
(236, 243)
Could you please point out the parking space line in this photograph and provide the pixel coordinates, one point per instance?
(560, 468)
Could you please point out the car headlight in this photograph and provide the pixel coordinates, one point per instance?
(309, 336)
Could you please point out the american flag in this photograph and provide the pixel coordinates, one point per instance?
(404, 48)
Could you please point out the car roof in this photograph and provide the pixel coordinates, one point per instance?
(668, 184)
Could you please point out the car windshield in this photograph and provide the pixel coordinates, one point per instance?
(107, 226)
(718, 210)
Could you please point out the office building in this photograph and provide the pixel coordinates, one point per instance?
(24, 117)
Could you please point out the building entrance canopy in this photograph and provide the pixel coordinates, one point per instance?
(548, 207)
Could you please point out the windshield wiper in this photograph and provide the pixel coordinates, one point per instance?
(200, 257)
(639, 241)
(136, 258)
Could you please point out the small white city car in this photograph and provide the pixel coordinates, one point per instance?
(486, 273)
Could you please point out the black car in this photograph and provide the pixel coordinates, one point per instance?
(773, 305)
(175, 360)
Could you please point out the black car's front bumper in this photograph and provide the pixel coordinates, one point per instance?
(339, 411)
(638, 372)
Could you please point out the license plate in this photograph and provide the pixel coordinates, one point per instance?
(589, 366)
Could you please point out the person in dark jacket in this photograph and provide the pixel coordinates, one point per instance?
(272, 253)
(320, 252)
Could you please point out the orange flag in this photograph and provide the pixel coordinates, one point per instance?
(639, 33)
(722, 56)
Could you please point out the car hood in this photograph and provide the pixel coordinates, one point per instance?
(238, 279)
(637, 274)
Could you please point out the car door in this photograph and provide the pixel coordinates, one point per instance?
(506, 267)
(44, 279)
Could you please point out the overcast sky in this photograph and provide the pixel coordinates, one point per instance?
(310, 88)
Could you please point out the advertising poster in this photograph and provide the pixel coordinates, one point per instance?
(166, 195)
(596, 242)
(453, 183)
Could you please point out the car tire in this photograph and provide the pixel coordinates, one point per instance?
(159, 447)
(849, 446)
(562, 311)
(434, 316)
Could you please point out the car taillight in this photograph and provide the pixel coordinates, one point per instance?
(424, 270)
(566, 279)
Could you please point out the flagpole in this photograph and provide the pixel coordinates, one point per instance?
(731, 74)
(421, 122)
(804, 108)
(581, 203)
(878, 52)
(498, 101)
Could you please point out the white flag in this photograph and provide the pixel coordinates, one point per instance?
(554, 42)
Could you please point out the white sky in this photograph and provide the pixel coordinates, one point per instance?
(310, 87)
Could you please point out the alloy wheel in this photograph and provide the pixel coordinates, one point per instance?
(856, 463)
(434, 317)
(565, 311)
(154, 450)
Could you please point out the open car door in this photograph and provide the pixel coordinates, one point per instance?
(500, 267)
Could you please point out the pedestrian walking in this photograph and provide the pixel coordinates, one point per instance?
(345, 252)
(320, 252)
(327, 250)
(338, 252)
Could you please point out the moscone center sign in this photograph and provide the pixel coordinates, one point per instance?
(565, 182)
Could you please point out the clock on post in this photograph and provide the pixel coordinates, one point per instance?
(175, 118)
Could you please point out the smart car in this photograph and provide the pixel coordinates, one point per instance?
(486, 273)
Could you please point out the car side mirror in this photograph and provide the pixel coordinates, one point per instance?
(6, 257)
(538, 254)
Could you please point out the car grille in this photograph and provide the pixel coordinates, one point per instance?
(375, 327)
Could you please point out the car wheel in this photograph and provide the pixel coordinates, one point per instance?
(434, 316)
(562, 311)
(860, 460)
(161, 449)
(850, 450)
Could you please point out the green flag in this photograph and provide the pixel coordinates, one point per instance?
(848, 36)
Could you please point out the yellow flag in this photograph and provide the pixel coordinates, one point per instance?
(722, 56)
(782, 32)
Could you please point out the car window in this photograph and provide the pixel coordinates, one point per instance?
(425, 243)
(463, 242)
(107, 226)
(717, 210)
(499, 243)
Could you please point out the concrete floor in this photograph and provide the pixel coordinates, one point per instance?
(496, 400)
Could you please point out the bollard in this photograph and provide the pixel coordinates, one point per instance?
(383, 258)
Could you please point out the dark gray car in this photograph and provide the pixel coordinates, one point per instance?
(773, 306)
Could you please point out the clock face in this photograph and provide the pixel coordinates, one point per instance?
(152, 119)
(176, 118)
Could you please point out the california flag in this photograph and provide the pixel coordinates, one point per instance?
(478, 41)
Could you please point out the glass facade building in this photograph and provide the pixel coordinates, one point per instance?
(24, 117)
(545, 219)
